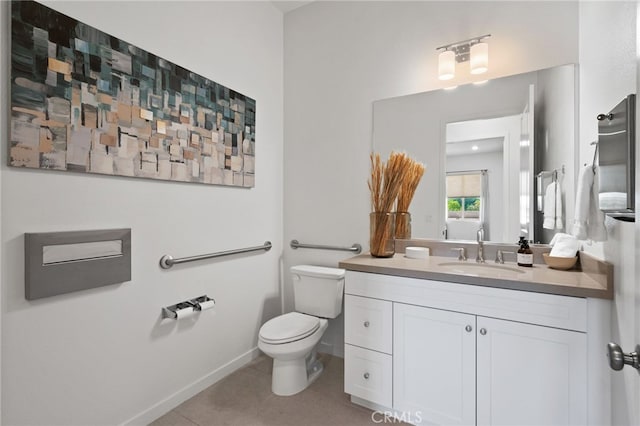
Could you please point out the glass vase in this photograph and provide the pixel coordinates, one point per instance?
(382, 234)
(403, 225)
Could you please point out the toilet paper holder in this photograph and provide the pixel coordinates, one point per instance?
(188, 307)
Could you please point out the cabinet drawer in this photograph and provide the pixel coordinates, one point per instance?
(367, 375)
(368, 323)
(549, 310)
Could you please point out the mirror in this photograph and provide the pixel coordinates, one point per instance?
(516, 133)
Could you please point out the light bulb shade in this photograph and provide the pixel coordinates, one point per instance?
(446, 65)
(479, 62)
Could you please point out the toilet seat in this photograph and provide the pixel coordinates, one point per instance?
(288, 328)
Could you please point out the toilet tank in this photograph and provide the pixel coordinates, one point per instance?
(318, 290)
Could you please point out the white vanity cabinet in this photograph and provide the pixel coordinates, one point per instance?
(464, 355)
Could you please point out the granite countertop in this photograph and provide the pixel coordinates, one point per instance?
(594, 279)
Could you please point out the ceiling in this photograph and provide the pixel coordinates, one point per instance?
(289, 5)
(483, 146)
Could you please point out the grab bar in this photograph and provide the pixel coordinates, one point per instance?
(168, 261)
(356, 248)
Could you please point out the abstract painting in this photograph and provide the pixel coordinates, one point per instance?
(85, 101)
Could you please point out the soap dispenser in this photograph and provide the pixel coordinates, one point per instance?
(525, 255)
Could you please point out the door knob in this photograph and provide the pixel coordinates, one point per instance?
(618, 359)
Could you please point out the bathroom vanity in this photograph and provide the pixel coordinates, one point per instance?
(437, 341)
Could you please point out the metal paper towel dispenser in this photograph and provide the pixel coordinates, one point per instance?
(63, 262)
(616, 145)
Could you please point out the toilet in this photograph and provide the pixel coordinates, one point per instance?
(291, 339)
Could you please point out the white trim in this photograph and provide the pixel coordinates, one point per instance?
(162, 407)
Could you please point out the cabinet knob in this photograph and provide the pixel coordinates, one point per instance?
(468, 328)
(366, 324)
(366, 376)
(483, 331)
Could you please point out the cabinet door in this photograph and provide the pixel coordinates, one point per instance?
(434, 365)
(530, 375)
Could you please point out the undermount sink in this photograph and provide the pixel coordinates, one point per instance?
(477, 268)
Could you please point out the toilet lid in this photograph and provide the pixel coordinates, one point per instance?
(288, 328)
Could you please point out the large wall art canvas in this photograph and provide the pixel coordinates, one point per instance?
(85, 101)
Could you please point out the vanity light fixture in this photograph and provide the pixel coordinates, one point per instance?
(447, 65)
(479, 62)
(475, 50)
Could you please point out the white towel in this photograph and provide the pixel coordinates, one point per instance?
(552, 207)
(564, 245)
(583, 199)
(589, 220)
(596, 230)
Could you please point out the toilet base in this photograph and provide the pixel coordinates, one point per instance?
(290, 377)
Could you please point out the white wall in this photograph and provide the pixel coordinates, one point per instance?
(607, 75)
(103, 356)
(341, 56)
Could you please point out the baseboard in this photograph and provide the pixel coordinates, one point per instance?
(328, 348)
(169, 403)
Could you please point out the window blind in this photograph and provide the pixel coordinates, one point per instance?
(464, 185)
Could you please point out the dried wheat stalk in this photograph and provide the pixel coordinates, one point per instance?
(385, 183)
(375, 183)
(409, 185)
(405, 195)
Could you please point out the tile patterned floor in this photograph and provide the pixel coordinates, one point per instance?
(244, 398)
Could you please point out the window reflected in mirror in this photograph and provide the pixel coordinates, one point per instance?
(464, 194)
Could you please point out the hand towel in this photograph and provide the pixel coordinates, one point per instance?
(583, 197)
(552, 207)
(595, 229)
(564, 245)
(588, 219)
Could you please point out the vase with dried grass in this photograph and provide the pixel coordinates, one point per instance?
(405, 195)
(386, 180)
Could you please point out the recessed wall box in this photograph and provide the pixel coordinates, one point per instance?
(63, 262)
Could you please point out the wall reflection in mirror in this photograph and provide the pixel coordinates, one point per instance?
(500, 156)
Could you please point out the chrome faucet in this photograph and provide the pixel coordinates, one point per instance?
(480, 256)
(500, 255)
(462, 253)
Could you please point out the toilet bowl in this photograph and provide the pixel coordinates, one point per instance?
(291, 339)
(292, 348)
